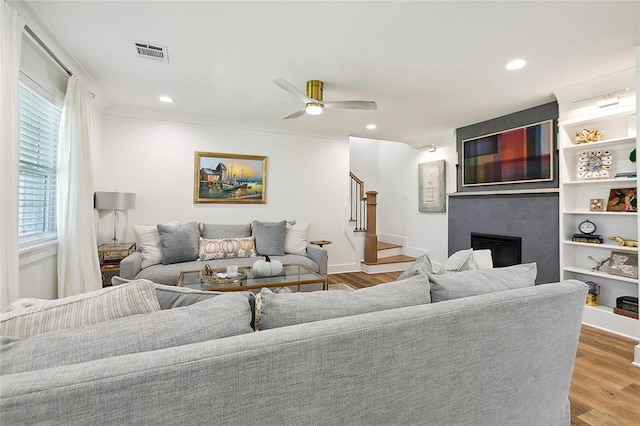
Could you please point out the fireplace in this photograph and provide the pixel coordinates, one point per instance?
(505, 250)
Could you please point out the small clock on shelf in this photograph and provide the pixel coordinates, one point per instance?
(586, 233)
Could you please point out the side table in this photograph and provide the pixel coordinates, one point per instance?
(320, 242)
(110, 256)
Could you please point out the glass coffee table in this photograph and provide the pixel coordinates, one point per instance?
(293, 275)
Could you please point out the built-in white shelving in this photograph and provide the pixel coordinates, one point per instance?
(578, 259)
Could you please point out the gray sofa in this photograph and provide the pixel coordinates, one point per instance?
(502, 358)
(311, 256)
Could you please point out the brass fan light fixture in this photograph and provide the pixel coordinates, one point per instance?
(313, 103)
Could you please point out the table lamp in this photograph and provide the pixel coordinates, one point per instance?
(114, 201)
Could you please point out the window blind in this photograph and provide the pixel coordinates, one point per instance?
(39, 124)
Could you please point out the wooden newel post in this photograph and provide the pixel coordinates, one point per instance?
(371, 236)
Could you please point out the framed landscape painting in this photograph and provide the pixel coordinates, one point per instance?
(229, 178)
(522, 154)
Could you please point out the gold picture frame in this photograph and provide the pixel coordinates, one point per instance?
(229, 178)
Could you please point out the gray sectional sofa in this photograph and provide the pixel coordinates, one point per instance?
(381, 355)
(271, 238)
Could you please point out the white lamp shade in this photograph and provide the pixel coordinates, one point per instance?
(114, 200)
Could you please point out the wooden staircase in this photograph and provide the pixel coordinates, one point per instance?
(389, 259)
(378, 256)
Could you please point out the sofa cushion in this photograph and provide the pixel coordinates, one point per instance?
(180, 243)
(480, 281)
(269, 237)
(295, 238)
(170, 296)
(210, 231)
(220, 248)
(421, 265)
(136, 297)
(280, 310)
(149, 243)
(225, 315)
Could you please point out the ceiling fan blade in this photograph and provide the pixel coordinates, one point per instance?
(350, 104)
(285, 85)
(294, 115)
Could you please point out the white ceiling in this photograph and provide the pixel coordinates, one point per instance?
(430, 66)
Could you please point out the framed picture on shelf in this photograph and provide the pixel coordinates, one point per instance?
(229, 178)
(596, 204)
(623, 200)
(624, 264)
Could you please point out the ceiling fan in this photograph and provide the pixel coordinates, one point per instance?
(313, 103)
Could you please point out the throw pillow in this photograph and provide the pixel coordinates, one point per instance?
(180, 243)
(280, 310)
(482, 259)
(212, 231)
(480, 281)
(269, 237)
(459, 261)
(171, 296)
(295, 238)
(149, 242)
(136, 297)
(225, 315)
(220, 248)
(421, 265)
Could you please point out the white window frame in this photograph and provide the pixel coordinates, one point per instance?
(48, 235)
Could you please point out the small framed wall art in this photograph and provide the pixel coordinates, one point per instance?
(432, 187)
(622, 200)
(229, 178)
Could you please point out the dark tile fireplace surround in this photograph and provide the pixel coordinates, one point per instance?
(532, 217)
(503, 210)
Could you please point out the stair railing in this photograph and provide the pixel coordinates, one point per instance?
(363, 211)
(357, 203)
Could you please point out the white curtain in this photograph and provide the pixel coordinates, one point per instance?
(11, 27)
(78, 264)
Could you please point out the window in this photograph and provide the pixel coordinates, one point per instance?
(39, 124)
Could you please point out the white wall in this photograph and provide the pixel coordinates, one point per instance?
(307, 177)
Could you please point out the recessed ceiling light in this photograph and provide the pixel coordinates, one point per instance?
(516, 64)
(166, 99)
(371, 126)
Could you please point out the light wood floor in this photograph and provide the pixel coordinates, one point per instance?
(605, 388)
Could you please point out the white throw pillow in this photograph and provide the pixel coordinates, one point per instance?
(459, 261)
(136, 297)
(149, 242)
(482, 259)
(295, 238)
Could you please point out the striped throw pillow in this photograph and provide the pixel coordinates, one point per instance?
(136, 297)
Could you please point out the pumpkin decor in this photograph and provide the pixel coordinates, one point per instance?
(266, 267)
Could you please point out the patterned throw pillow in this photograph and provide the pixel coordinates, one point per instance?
(220, 248)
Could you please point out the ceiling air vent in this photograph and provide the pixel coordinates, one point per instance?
(151, 51)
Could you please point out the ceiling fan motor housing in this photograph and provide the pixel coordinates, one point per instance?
(314, 89)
